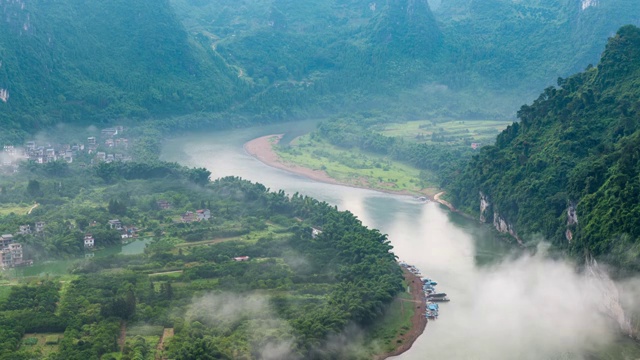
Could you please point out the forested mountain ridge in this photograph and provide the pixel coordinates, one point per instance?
(462, 59)
(87, 62)
(528, 43)
(570, 169)
(91, 61)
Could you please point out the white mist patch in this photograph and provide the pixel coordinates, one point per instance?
(226, 307)
(270, 336)
(11, 154)
(526, 308)
(542, 302)
(589, 3)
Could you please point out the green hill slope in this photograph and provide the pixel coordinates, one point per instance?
(87, 61)
(570, 169)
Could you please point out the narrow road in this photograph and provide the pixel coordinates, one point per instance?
(437, 198)
(123, 335)
(166, 334)
(33, 207)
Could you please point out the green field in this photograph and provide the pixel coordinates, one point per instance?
(357, 168)
(373, 171)
(46, 343)
(18, 209)
(451, 133)
(271, 231)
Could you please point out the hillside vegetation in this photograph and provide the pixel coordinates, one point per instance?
(88, 61)
(92, 61)
(570, 169)
(296, 291)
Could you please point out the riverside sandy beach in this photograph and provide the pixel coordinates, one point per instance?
(262, 149)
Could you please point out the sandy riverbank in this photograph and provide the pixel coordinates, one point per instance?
(262, 149)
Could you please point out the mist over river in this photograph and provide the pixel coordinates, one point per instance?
(504, 304)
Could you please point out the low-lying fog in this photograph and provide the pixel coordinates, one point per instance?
(527, 307)
(518, 307)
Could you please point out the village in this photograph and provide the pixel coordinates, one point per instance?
(11, 251)
(109, 146)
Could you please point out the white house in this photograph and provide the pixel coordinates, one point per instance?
(25, 230)
(115, 224)
(204, 214)
(89, 242)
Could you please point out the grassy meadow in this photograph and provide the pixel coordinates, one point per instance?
(356, 167)
(374, 171)
(449, 133)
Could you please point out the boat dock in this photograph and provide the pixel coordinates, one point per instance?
(432, 309)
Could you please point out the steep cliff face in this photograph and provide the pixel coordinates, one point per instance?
(488, 213)
(570, 169)
(485, 206)
(572, 221)
(504, 227)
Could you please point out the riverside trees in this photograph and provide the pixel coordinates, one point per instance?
(298, 289)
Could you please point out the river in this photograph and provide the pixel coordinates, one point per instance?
(505, 304)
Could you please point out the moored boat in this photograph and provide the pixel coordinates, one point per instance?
(436, 295)
(440, 299)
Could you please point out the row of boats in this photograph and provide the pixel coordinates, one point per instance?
(432, 297)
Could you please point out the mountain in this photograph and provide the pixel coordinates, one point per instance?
(569, 171)
(524, 45)
(318, 56)
(412, 58)
(408, 26)
(89, 61)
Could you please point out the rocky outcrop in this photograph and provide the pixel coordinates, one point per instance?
(572, 221)
(504, 227)
(498, 221)
(484, 206)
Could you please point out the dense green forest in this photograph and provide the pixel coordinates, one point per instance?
(87, 62)
(569, 170)
(296, 291)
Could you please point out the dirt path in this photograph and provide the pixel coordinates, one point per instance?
(166, 334)
(123, 335)
(418, 321)
(167, 272)
(437, 198)
(33, 207)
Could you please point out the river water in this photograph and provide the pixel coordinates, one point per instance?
(504, 304)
